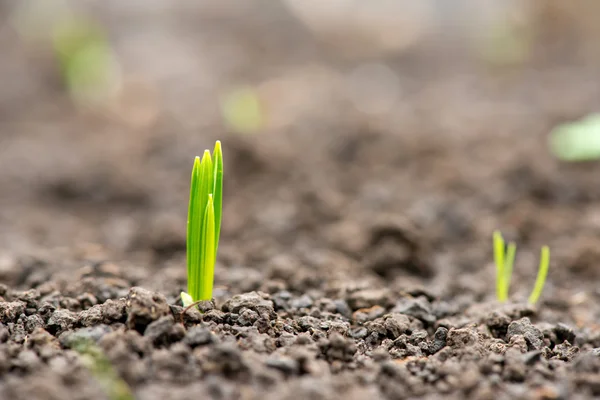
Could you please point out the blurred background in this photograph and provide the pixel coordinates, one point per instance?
(429, 118)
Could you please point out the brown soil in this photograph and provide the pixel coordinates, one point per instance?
(355, 258)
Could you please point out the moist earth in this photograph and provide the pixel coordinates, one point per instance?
(355, 259)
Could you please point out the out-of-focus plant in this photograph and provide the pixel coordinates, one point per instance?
(87, 62)
(577, 140)
(242, 110)
(101, 368)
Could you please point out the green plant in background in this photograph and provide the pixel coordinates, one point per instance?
(204, 225)
(242, 110)
(578, 140)
(87, 62)
(101, 368)
(504, 258)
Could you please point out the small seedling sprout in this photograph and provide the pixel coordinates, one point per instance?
(504, 258)
(541, 276)
(204, 225)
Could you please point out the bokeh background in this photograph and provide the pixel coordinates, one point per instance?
(335, 116)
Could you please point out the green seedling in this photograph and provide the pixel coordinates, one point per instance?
(203, 225)
(541, 276)
(504, 258)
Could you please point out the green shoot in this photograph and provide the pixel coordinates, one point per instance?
(509, 260)
(204, 225)
(504, 258)
(541, 276)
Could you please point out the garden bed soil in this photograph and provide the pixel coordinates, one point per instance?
(355, 260)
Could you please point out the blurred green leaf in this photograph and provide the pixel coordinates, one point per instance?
(242, 110)
(577, 141)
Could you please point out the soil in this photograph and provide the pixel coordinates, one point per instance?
(355, 258)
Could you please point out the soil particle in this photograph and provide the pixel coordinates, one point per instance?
(61, 321)
(31, 322)
(336, 347)
(303, 301)
(287, 365)
(164, 331)
(261, 305)
(563, 333)
(532, 335)
(93, 334)
(127, 352)
(370, 298)
(368, 314)
(226, 359)
(106, 313)
(497, 322)
(10, 311)
(564, 351)
(143, 307)
(199, 336)
(419, 308)
(4, 333)
(390, 326)
(175, 364)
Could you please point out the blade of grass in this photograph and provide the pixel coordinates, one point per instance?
(218, 190)
(541, 276)
(499, 261)
(208, 251)
(509, 261)
(203, 191)
(193, 233)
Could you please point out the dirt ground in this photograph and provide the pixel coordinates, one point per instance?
(355, 259)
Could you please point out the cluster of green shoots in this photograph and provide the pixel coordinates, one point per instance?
(504, 258)
(204, 225)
